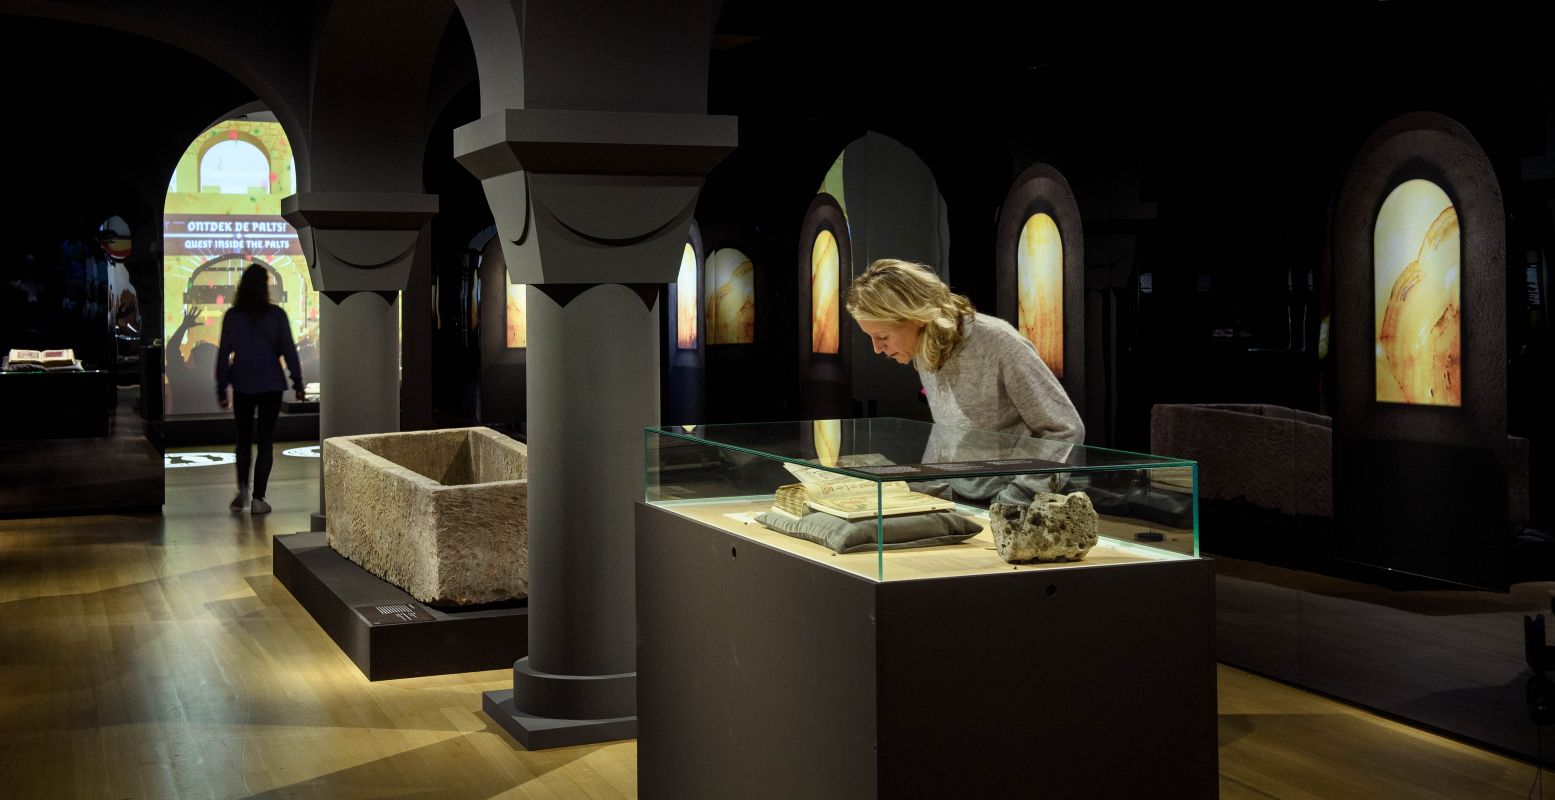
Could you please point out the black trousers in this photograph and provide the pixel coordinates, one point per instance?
(244, 407)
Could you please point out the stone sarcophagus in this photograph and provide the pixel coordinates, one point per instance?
(442, 514)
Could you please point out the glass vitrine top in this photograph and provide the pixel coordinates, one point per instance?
(891, 449)
(895, 499)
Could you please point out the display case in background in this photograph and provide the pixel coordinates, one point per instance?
(74, 404)
(775, 661)
(727, 476)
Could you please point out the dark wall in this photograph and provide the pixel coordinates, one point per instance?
(95, 122)
(1209, 164)
(455, 369)
(91, 133)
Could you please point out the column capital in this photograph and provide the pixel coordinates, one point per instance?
(358, 241)
(580, 142)
(593, 196)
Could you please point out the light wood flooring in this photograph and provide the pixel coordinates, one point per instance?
(154, 656)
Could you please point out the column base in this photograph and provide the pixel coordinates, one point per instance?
(546, 694)
(315, 522)
(541, 733)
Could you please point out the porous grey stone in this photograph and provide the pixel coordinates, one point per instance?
(442, 514)
(1053, 527)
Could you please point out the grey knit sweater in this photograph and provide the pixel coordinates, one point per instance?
(994, 381)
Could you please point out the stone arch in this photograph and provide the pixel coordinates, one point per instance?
(370, 95)
(277, 75)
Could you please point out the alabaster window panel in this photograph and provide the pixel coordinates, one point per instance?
(1040, 289)
(731, 297)
(826, 305)
(1416, 267)
(686, 300)
(517, 311)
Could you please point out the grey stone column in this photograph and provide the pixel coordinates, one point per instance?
(359, 248)
(592, 362)
(593, 209)
(359, 349)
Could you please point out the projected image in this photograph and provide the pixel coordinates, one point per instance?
(223, 213)
(1040, 289)
(825, 301)
(518, 306)
(686, 300)
(1415, 263)
(731, 298)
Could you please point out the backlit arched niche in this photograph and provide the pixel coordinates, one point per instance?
(683, 389)
(824, 267)
(1040, 263)
(877, 199)
(1419, 346)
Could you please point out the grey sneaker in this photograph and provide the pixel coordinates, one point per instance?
(238, 502)
(260, 506)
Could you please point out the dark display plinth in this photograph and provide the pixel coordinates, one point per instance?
(762, 673)
(56, 405)
(386, 632)
(121, 471)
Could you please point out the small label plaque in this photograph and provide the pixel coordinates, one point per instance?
(394, 614)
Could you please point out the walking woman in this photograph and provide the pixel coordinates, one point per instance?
(255, 336)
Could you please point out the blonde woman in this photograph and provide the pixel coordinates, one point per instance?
(977, 371)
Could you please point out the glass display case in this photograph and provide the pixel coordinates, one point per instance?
(894, 499)
(853, 596)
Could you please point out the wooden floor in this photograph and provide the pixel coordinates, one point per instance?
(155, 657)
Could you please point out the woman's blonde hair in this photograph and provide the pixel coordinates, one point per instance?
(901, 291)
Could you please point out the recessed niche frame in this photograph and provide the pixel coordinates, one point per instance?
(1432, 147)
(1041, 189)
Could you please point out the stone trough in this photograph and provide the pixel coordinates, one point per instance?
(442, 514)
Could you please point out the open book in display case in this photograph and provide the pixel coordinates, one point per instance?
(885, 647)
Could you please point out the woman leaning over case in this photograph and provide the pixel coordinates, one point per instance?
(977, 371)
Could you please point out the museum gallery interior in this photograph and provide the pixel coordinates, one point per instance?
(586, 482)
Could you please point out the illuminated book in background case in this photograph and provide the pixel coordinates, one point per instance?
(41, 360)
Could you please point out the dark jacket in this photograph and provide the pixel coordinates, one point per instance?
(252, 346)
